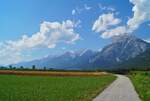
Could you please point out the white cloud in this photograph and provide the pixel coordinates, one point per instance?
(63, 48)
(104, 22)
(78, 24)
(111, 9)
(106, 25)
(147, 40)
(87, 7)
(50, 34)
(100, 49)
(120, 30)
(141, 14)
(101, 7)
(106, 8)
(9, 55)
(79, 10)
(73, 12)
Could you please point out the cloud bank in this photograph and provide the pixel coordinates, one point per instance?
(120, 30)
(104, 23)
(50, 34)
(141, 14)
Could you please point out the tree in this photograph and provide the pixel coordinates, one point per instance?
(44, 68)
(10, 66)
(21, 67)
(33, 67)
(2, 67)
(14, 67)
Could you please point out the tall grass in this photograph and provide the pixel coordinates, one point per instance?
(141, 80)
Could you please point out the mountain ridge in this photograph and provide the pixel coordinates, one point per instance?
(128, 47)
(120, 50)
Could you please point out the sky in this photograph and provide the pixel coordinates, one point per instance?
(32, 29)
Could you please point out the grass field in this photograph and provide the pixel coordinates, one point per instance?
(55, 88)
(141, 81)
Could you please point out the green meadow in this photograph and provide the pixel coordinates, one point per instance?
(46, 88)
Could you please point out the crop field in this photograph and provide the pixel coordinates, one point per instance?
(51, 73)
(52, 88)
(141, 81)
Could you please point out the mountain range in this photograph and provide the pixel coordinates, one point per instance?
(140, 62)
(122, 50)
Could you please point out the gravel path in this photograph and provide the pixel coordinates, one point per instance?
(120, 90)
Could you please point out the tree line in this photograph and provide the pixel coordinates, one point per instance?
(10, 67)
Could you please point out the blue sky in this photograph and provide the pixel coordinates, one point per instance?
(21, 19)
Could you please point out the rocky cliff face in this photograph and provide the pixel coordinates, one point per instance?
(124, 48)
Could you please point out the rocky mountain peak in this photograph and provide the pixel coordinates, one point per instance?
(124, 48)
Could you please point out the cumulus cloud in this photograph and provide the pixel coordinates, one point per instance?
(104, 22)
(120, 30)
(9, 55)
(50, 34)
(141, 13)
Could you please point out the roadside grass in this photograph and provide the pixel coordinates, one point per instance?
(56, 88)
(141, 81)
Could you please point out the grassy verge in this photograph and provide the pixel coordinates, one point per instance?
(141, 81)
(45, 88)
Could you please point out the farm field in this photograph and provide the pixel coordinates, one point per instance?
(141, 81)
(51, 73)
(52, 88)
